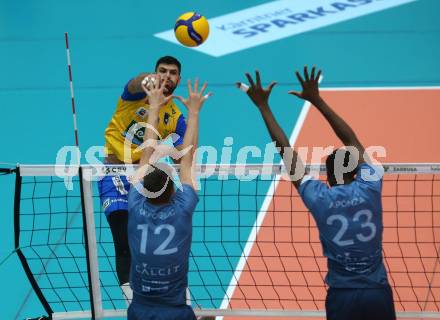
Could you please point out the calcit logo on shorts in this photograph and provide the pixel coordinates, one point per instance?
(280, 19)
(142, 112)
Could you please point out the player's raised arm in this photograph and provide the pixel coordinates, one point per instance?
(135, 85)
(260, 97)
(156, 100)
(310, 92)
(194, 104)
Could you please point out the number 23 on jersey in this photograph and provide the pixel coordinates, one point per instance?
(368, 228)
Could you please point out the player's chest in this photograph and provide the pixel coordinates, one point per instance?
(168, 117)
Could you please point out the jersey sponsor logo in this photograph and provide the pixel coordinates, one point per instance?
(142, 112)
(145, 270)
(276, 20)
(155, 281)
(346, 203)
(119, 184)
(166, 118)
(359, 265)
(135, 133)
(145, 288)
(106, 204)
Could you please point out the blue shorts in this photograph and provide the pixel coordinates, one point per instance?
(113, 192)
(360, 304)
(139, 311)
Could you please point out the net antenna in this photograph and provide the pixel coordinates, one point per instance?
(69, 69)
(76, 157)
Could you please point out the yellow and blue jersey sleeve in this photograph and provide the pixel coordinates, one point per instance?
(126, 130)
(180, 130)
(127, 96)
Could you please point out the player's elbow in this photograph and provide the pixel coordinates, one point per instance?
(132, 87)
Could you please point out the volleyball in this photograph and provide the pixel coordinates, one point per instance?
(191, 29)
(149, 81)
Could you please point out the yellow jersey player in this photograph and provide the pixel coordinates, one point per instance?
(123, 136)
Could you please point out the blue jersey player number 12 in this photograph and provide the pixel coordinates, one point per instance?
(161, 250)
(160, 219)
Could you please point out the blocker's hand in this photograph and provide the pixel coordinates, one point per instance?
(310, 85)
(258, 94)
(196, 98)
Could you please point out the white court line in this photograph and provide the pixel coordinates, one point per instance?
(261, 215)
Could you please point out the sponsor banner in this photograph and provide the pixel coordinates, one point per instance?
(277, 20)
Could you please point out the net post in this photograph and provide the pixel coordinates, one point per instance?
(20, 254)
(90, 242)
(17, 197)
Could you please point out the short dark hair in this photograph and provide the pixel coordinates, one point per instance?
(156, 180)
(330, 166)
(169, 60)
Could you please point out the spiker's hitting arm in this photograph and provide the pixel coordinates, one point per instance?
(135, 85)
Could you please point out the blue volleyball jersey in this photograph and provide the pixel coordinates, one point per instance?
(349, 220)
(160, 239)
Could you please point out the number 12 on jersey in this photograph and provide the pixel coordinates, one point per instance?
(162, 249)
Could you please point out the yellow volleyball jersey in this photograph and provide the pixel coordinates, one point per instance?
(125, 129)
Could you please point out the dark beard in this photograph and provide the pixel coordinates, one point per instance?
(169, 90)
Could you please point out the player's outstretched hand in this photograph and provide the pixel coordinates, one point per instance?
(258, 94)
(310, 85)
(196, 98)
(154, 90)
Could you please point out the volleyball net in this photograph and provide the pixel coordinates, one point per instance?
(255, 250)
